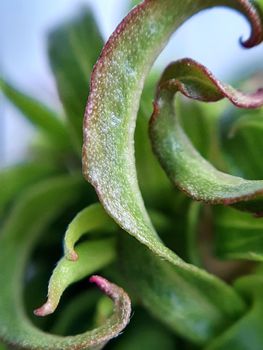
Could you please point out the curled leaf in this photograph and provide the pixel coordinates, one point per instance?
(116, 85)
(89, 219)
(92, 257)
(110, 118)
(177, 296)
(35, 211)
(181, 161)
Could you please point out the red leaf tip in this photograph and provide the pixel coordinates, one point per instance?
(44, 310)
(104, 285)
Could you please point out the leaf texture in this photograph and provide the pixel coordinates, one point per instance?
(181, 161)
(35, 211)
(110, 117)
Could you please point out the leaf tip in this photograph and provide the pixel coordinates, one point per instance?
(45, 309)
(104, 285)
(72, 255)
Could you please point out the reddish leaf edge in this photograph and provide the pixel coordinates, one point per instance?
(191, 67)
(110, 289)
(249, 10)
(236, 97)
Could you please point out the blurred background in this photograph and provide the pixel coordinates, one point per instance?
(210, 37)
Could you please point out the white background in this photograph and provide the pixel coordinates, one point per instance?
(210, 37)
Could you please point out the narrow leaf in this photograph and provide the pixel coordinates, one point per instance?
(181, 161)
(16, 179)
(117, 80)
(110, 118)
(246, 333)
(73, 50)
(92, 218)
(92, 257)
(31, 216)
(243, 130)
(238, 235)
(37, 113)
(176, 296)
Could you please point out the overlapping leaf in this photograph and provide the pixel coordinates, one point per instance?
(246, 333)
(73, 50)
(243, 129)
(108, 152)
(180, 299)
(238, 235)
(183, 164)
(36, 210)
(86, 259)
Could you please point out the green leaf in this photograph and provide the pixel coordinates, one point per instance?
(144, 333)
(117, 80)
(152, 180)
(31, 216)
(246, 333)
(177, 296)
(243, 129)
(193, 222)
(16, 179)
(70, 314)
(92, 256)
(193, 174)
(108, 152)
(37, 113)
(73, 50)
(92, 218)
(238, 235)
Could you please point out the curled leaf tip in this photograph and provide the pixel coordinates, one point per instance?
(45, 309)
(186, 168)
(253, 14)
(197, 82)
(72, 255)
(105, 286)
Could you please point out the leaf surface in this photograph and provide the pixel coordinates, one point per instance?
(35, 211)
(73, 50)
(110, 118)
(37, 113)
(238, 235)
(246, 333)
(192, 173)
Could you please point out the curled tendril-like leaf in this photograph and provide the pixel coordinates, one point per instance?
(116, 85)
(32, 214)
(183, 164)
(92, 256)
(108, 151)
(89, 219)
(86, 259)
